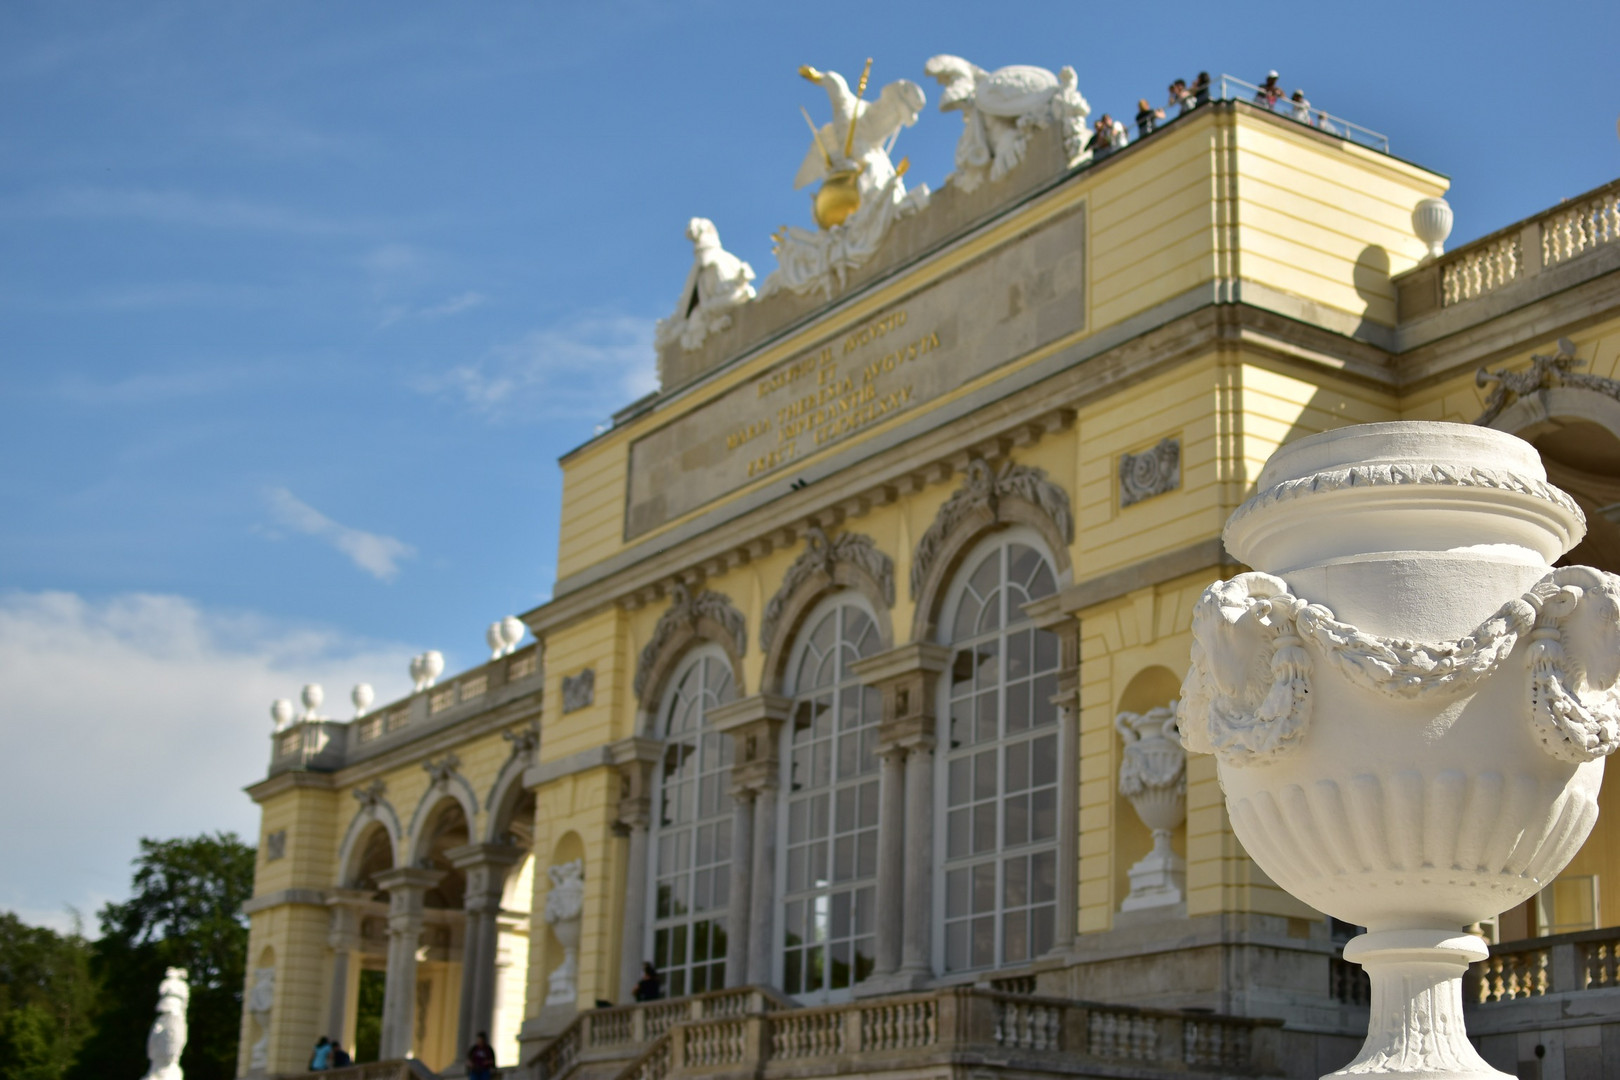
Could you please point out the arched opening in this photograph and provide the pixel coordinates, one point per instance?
(1583, 457)
(997, 855)
(513, 825)
(1149, 689)
(828, 878)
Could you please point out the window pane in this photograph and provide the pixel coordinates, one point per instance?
(1043, 815)
(958, 894)
(1018, 654)
(1015, 811)
(984, 828)
(984, 942)
(1015, 939)
(1046, 650)
(984, 887)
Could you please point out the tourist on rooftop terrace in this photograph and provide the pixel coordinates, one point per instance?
(1147, 118)
(1270, 91)
(1109, 136)
(1200, 89)
(1302, 108)
(1181, 99)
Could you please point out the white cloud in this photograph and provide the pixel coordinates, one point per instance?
(454, 306)
(584, 369)
(175, 207)
(374, 553)
(144, 715)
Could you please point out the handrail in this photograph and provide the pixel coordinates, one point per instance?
(1231, 88)
(1571, 963)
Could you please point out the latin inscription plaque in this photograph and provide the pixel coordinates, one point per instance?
(1018, 297)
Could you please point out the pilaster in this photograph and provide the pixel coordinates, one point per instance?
(755, 727)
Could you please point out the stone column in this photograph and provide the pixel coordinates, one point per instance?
(755, 727)
(891, 860)
(637, 760)
(908, 679)
(1049, 615)
(486, 867)
(762, 895)
(406, 887)
(742, 876)
(916, 962)
(344, 939)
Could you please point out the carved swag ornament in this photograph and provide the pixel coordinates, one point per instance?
(685, 610)
(984, 489)
(1247, 696)
(823, 555)
(1545, 373)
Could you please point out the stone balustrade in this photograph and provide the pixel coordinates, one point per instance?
(903, 1031)
(1537, 967)
(1504, 258)
(615, 1034)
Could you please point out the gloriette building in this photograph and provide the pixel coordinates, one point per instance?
(852, 713)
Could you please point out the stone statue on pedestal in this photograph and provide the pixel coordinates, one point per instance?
(168, 1036)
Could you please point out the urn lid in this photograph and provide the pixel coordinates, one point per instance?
(1404, 486)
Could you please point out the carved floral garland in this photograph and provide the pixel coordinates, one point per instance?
(984, 489)
(1247, 696)
(684, 612)
(823, 554)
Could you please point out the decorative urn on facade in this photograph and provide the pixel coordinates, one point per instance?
(1408, 705)
(1153, 776)
(565, 904)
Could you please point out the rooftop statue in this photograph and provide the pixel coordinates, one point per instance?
(861, 189)
(168, 1036)
(1000, 108)
(718, 283)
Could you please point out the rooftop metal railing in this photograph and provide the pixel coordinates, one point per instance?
(1229, 88)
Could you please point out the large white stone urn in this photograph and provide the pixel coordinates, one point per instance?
(1408, 705)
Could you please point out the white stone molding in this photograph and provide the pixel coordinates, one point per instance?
(822, 555)
(1432, 755)
(819, 261)
(167, 1038)
(565, 905)
(578, 691)
(261, 1001)
(374, 807)
(686, 610)
(1545, 373)
(1153, 776)
(1154, 471)
(717, 284)
(984, 490)
(999, 111)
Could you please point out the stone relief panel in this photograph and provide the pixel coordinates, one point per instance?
(1152, 472)
(947, 333)
(275, 845)
(578, 691)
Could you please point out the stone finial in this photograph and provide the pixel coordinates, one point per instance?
(1431, 221)
(492, 638)
(362, 696)
(503, 636)
(312, 696)
(281, 713)
(1153, 776)
(426, 669)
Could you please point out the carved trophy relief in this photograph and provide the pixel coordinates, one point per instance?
(578, 691)
(717, 284)
(999, 111)
(261, 1000)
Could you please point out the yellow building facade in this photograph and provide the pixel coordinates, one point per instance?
(823, 721)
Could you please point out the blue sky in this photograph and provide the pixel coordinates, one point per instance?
(299, 303)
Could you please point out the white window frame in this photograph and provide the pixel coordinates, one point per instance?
(848, 598)
(651, 923)
(943, 755)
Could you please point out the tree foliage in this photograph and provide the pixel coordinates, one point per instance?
(46, 994)
(184, 911)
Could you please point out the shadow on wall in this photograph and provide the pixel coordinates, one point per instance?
(1371, 278)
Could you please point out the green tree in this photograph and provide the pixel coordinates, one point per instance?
(46, 994)
(184, 911)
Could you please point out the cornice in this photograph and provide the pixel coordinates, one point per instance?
(283, 782)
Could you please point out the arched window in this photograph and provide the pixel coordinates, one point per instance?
(830, 848)
(999, 745)
(691, 848)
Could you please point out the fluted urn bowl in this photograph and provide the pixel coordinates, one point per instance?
(1409, 706)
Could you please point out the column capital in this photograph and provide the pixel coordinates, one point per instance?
(406, 887)
(905, 676)
(754, 725)
(468, 856)
(914, 657)
(750, 712)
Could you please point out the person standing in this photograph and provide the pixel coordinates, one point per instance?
(1147, 118)
(1181, 98)
(480, 1058)
(1270, 92)
(1301, 107)
(648, 987)
(340, 1057)
(1200, 89)
(321, 1059)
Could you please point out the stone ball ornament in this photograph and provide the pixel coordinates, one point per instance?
(362, 696)
(281, 714)
(312, 697)
(1409, 706)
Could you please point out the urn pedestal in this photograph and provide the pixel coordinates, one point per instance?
(1409, 706)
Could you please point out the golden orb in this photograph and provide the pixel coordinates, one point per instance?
(838, 198)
